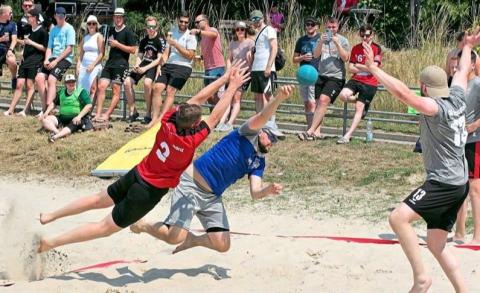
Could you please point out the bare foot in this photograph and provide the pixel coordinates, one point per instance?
(138, 227)
(188, 243)
(45, 218)
(474, 242)
(44, 245)
(421, 287)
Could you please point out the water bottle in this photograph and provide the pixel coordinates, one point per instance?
(369, 136)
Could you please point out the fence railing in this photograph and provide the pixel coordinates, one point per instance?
(285, 108)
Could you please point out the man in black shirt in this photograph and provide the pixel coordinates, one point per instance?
(23, 25)
(149, 60)
(33, 54)
(122, 43)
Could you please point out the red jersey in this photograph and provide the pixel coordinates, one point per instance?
(172, 152)
(357, 56)
(344, 6)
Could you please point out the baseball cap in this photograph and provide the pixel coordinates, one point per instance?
(256, 13)
(273, 128)
(435, 79)
(119, 11)
(240, 24)
(70, 77)
(34, 12)
(60, 10)
(312, 19)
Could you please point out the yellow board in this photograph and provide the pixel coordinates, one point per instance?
(132, 153)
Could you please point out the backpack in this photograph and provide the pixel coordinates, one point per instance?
(279, 58)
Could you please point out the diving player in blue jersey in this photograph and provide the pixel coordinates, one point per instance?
(199, 193)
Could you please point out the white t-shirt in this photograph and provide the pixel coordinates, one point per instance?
(262, 49)
(187, 41)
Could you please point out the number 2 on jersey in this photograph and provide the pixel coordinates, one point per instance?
(163, 151)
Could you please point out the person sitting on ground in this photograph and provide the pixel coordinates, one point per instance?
(362, 81)
(8, 40)
(74, 108)
(32, 59)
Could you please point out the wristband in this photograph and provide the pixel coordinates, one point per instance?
(13, 51)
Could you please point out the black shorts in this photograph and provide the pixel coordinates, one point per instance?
(366, 92)
(438, 203)
(114, 74)
(85, 124)
(262, 84)
(174, 75)
(3, 57)
(148, 74)
(472, 153)
(133, 198)
(58, 71)
(328, 86)
(27, 73)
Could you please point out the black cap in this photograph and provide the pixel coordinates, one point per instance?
(34, 12)
(312, 18)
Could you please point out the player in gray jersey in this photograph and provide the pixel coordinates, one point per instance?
(443, 136)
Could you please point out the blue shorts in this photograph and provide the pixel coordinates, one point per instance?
(216, 72)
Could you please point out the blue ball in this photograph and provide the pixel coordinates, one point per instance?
(307, 75)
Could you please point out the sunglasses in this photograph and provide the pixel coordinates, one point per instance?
(365, 35)
(183, 22)
(70, 81)
(271, 137)
(60, 15)
(151, 26)
(91, 23)
(198, 21)
(239, 29)
(28, 5)
(310, 24)
(254, 19)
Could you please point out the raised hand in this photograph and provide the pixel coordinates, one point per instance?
(285, 92)
(238, 75)
(367, 50)
(472, 39)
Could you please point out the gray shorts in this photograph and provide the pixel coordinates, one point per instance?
(189, 199)
(307, 93)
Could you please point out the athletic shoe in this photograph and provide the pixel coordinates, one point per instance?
(219, 127)
(227, 127)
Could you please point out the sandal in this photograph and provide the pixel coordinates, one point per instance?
(137, 128)
(313, 137)
(51, 138)
(133, 117)
(21, 114)
(343, 140)
(303, 136)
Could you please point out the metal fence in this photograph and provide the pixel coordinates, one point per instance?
(284, 108)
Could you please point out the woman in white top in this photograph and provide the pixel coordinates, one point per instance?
(89, 60)
(238, 49)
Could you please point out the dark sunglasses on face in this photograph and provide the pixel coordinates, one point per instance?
(91, 23)
(28, 5)
(254, 19)
(151, 26)
(199, 21)
(310, 24)
(183, 22)
(271, 137)
(60, 15)
(365, 35)
(240, 29)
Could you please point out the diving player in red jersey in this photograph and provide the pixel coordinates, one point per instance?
(142, 188)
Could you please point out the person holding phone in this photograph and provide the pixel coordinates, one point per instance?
(333, 50)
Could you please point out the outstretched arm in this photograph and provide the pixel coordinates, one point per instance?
(397, 88)
(238, 77)
(259, 120)
(258, 192)
(461, 76)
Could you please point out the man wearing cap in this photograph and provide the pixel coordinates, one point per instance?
(74, 105)
(263, 67)
(58, 58)
(303, 54)
(443, 136)
(32, 59)
(122, 43)
(24, 27)
(8, 40)
(199, 193)
(212, 55)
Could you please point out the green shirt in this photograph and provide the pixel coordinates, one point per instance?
(70, 105)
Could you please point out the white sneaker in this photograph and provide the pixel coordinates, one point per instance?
(219, 127)
(227, 127)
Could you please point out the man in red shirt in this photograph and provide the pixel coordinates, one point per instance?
(137, 192)
(362, 81)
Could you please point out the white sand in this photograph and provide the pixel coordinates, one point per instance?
(254, 263)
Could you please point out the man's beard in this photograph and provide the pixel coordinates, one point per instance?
(263, 149)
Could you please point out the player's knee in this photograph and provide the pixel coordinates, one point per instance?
(435, 247)
(175, 239)
(223, 246)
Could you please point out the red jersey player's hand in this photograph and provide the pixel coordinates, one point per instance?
(238, 75)
(275, 188)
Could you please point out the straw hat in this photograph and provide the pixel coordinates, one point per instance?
(91, 18)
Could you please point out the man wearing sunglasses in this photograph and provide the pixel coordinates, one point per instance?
(8, 40)
(58, 58)
(23, 26)
(180, 50)
(263, 67)
(303, 54)
(147, 63)
(202, 185)
(362, 81)
(211, 47)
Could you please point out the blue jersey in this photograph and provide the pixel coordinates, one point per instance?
(9, 28)
(230, 159)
